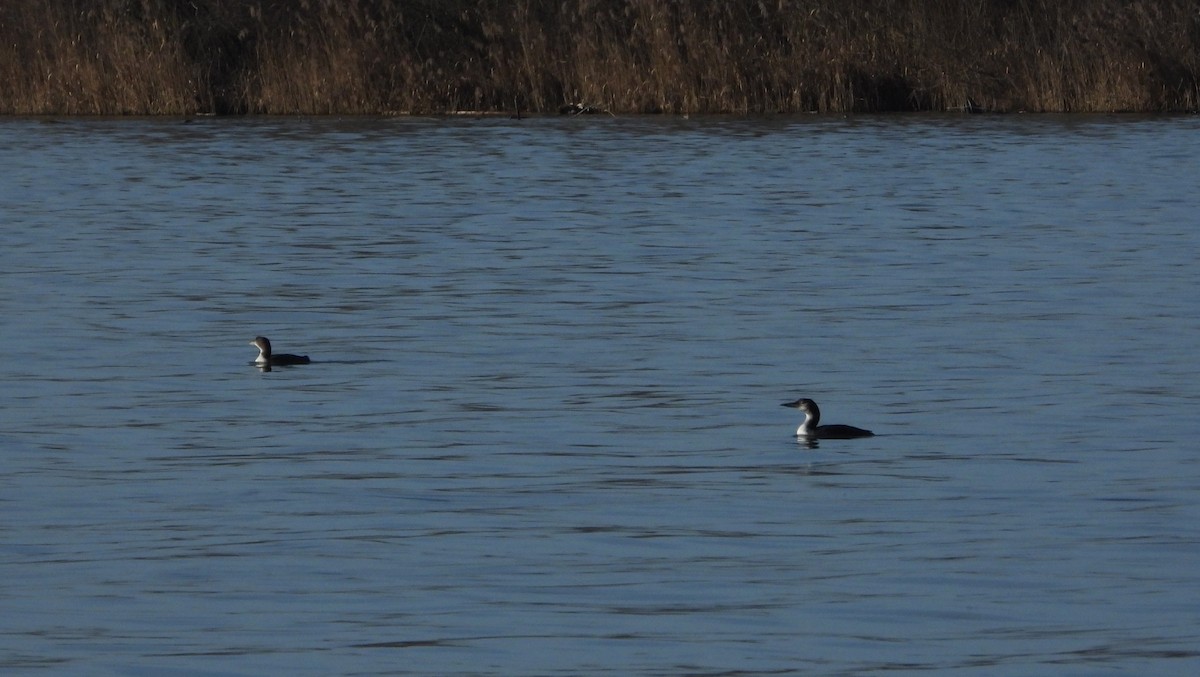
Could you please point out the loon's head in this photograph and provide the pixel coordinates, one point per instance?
(811, 413)
(803, 404)
(264, 348)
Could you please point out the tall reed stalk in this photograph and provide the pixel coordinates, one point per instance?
(151, 57)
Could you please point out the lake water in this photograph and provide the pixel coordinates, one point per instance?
(541, 431)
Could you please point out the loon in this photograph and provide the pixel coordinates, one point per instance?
(812, 416)
(266, 358)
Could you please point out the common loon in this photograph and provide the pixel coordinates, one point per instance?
(266, 358)
(812, 416)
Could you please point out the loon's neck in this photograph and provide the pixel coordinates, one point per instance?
(263, 358)
(809, 427)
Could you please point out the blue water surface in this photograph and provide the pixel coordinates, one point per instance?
(541, 432)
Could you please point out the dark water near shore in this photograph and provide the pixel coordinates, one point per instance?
(541, 433)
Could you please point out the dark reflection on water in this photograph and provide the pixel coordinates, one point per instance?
(540, 433)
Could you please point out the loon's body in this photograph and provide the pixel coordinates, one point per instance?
(265, 357)
(812, 416)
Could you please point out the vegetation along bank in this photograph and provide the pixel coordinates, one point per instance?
(186, 57)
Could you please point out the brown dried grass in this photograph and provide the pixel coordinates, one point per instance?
(151, 57)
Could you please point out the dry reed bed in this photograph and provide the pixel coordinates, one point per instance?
(150, 57)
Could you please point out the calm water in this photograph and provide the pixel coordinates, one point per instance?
(541, 432)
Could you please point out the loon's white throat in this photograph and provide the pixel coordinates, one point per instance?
(809, 427)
